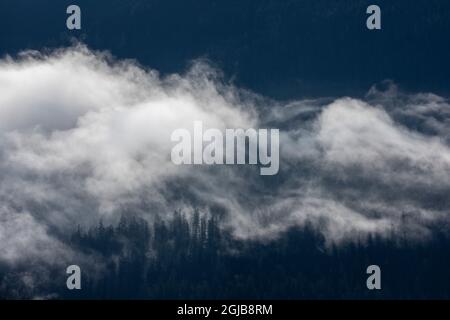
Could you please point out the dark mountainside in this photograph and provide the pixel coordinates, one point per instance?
(194, 259)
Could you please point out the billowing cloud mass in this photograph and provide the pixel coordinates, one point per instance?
(85, 138)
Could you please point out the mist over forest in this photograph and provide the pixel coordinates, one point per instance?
(86, 176)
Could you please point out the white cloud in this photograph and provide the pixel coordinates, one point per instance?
(21, 237)
(85, 137)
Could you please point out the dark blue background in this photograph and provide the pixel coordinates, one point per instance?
(280, 48)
